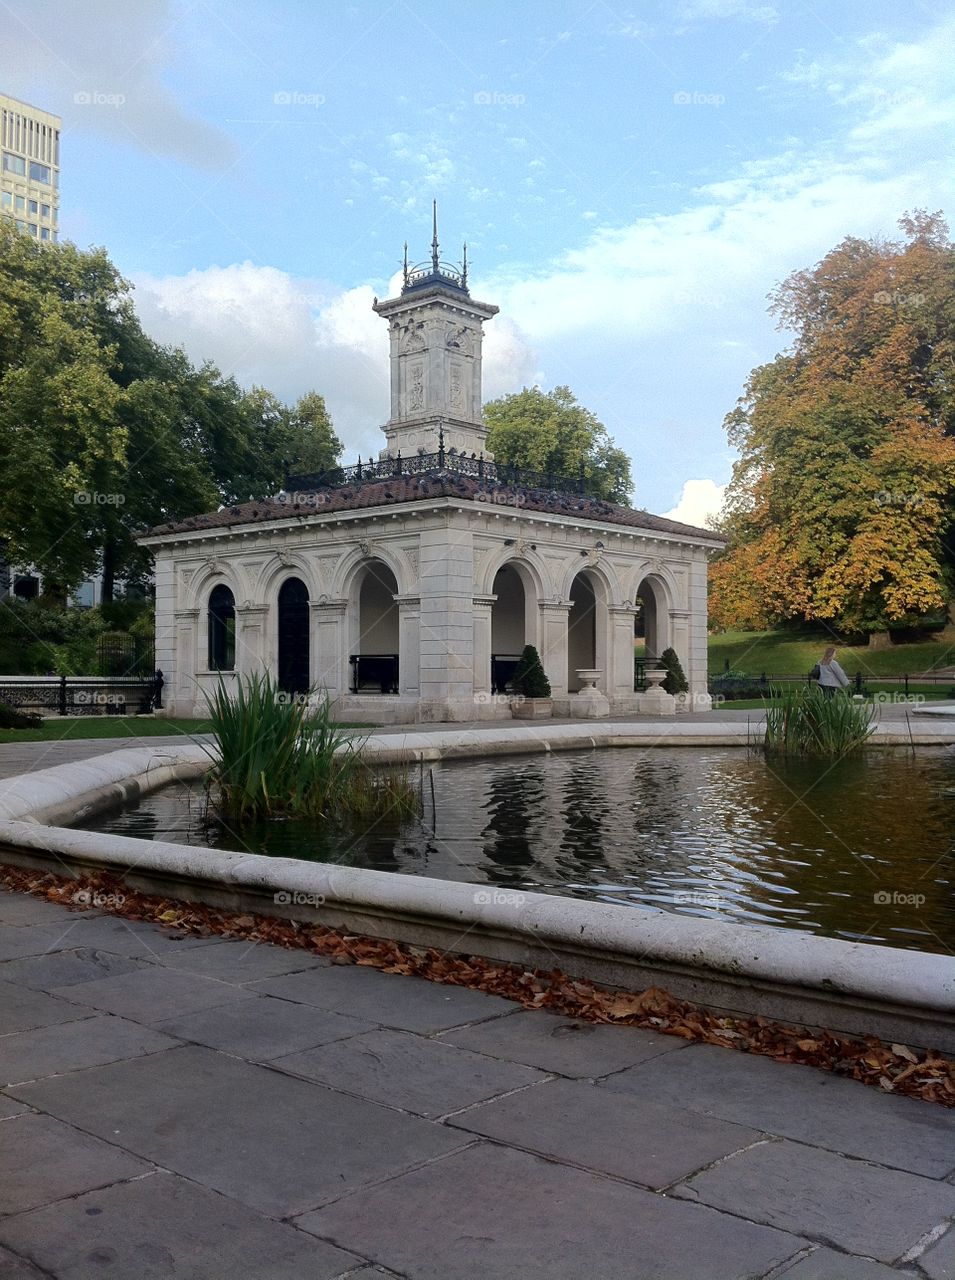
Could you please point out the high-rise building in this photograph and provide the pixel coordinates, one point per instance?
(30, 168)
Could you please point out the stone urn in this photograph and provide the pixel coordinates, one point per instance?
(655, 700)
(588, 703)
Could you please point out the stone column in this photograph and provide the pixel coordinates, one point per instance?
(483, 606)
(251, 639)
(553, 651)
(696, 663)
(446, 582)
(329, 658)
(409, 646)
(182, 693)
(620, 689)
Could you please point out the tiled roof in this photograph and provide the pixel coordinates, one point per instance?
(418, 488)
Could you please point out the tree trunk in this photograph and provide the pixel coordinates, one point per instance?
(109, 571)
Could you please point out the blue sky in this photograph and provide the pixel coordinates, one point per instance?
(631, 181)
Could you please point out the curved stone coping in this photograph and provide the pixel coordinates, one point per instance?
(395, 747)
(68, 792)
(850, 986)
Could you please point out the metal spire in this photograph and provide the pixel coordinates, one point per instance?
(434, 239)
(405, 269)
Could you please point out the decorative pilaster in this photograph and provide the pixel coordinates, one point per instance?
(554, 619)
(483, 606)
(329, 645)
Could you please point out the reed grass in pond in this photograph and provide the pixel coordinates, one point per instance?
(860, 848)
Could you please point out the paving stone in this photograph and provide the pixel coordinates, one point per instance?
(73, 1046)
(139, 938)
(62, 1162)
(36, 940)
(21, 1008)
(26, 909)
(277, 1143)
(66, 968)
(163, 1226)
(563, 1045)
(243, 961)
(402, 1070)
(939, 1261)
(13, 1267)
(408, 1004)
(826, 1264)
(264, 1028)
(801, 1103)
(643, 1140)
(153, 994)
(855, 1206)
(496, 1213)
(363, 1273)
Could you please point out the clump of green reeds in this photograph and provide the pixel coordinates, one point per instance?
(802, 721)
(280, 756)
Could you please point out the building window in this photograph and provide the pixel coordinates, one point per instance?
(44, 233)
(14, 164)
(7, 197)
(221, 629)
(20, 203)
(39, 172)
(21, 225)
(34, 229)
(44, 210)
(34, 207)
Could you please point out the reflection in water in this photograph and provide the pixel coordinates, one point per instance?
(860, 849)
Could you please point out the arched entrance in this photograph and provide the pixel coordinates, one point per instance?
(375, 653)
(653, 619)
(293, 636)
(581, 629)
(508, 626)
(221, 628)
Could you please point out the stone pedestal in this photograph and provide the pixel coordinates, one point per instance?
(655, 701)
(589, 703)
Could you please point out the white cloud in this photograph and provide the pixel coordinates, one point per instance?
(264, 326)
(699, 500)
(105, 60)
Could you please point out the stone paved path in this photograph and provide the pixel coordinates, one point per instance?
(213, 1109)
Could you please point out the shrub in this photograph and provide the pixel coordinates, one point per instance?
(674, 681)
(13, 718)
(276, 755)
(530, 679)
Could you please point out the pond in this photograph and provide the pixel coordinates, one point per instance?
(862, 849)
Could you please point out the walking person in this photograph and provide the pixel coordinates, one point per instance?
(829, 676)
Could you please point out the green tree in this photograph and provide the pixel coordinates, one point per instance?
(841, 502)
(550, 431)
(104, 431)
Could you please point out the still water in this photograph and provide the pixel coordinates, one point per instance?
(863, 849)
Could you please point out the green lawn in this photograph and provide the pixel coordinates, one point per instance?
(58, 728)
(63, 727)
(781, 653)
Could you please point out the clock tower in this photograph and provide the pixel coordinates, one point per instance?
(436, 332)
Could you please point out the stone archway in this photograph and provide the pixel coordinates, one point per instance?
(654, 600)
(511, 621)
(582, 629)
(293, 636)
(374, 656)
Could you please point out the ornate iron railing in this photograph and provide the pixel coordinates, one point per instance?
(445, 460)
(83, 695)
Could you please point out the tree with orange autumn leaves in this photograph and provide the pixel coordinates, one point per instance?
(843, 499)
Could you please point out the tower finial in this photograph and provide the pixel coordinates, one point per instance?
(464, 266)
(404, 274)
(434, 238)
